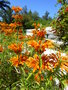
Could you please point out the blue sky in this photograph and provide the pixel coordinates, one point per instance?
(41, 6)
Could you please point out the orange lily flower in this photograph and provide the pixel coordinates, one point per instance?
(39, 46)
(49, 61)
(33, 62)
(48, 44)
(17, 17)
(16, 48)
(8, 32)
(64, 63)
(16, 61)
(41, 33)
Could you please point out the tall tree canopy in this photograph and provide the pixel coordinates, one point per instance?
(46, 15)
(4, 4)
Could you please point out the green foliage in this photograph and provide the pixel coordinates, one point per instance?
(30, 17)
(6, 16)
(62, 1)
(60, 24)
(8, 74)
(27, 21)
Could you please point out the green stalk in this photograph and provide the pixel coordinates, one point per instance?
(3, 56)
(29, 76)
(23, 71)
(17, 34)
(40, 62)
(40, 65)
(1, 37)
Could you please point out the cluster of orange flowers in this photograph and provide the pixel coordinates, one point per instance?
(48, 62)
(9, 29)
(15, 24)
(40, 46)
(16, 9)
(17, 48)
(33, 62)
(17, 17)
(64, 63)
(5, 28)
(39, 77)
(19, 60)
(36, 25)
(8, 32)
(41, 33)
(38, 62)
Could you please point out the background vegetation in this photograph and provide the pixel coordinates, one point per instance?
(29, 17)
